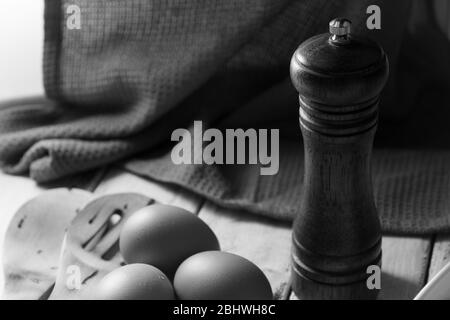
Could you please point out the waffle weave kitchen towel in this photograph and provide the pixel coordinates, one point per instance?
(136, 70)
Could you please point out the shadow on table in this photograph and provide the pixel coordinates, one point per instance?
(396, 288)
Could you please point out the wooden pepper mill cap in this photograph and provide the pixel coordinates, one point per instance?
(340, 29)
(338, 68)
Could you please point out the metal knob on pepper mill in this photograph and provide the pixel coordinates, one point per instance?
(337, 234)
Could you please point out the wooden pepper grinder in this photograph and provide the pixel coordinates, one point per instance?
(337, 233)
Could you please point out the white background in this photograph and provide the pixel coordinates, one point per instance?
(21, 48)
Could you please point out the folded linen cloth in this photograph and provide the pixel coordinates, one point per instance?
(136, 70)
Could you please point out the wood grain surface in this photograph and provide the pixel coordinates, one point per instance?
(405, 266)
(265, 242)
(440, 255)
(407, 261)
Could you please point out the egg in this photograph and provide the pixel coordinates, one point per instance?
(216, 275)
(164, 236)
(134, 282)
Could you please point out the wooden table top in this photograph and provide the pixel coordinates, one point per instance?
(408, 262)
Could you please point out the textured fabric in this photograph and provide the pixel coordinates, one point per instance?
(138, 69)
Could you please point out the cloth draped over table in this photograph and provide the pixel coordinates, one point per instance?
(138, 69)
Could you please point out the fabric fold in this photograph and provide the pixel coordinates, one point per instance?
(137, 70)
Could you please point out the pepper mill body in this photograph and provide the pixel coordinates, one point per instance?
(337, 234)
